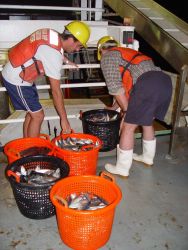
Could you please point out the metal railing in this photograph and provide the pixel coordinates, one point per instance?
(34, 7)
(62, 86)
(85, 10)
(80, 66)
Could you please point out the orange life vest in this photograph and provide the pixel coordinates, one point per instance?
(27, 48)
(132, 57)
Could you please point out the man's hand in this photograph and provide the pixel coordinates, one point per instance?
(74, 65)
(65, 126)
(68, 62)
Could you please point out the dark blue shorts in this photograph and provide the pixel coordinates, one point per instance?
(149, 99)
(23, 97)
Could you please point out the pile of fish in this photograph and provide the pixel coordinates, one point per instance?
(76, 144)
(85, 201)
(38, 176)
(34, 151)
(101, 117)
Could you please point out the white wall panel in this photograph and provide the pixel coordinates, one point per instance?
(12, 32)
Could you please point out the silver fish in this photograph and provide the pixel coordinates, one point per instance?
(86, 201)
(38, 175)
(75, 144)
(101, 117)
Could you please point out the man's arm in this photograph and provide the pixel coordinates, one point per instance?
(122, 101)
(59, 104)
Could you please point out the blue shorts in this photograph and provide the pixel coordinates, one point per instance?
(23, 97)
(149, 99)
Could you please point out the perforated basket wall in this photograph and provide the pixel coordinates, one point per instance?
(83, 162)
(85, 229)
(107, 131)
(13, 148)
(33, 201)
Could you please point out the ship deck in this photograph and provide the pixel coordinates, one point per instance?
(151, 215)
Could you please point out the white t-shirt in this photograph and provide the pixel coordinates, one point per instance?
(51, 59)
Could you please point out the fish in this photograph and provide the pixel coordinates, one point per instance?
(38, 175)
(80, 202)
(97, 203)
(85, 201)
(101, 117)
(39, 178)
(76, 144)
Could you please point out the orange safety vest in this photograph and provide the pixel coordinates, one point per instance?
(133, 57)
(27, 48)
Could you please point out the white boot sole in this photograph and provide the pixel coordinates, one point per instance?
(112, 170)
(147, 165)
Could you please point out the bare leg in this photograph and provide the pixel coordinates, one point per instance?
(26, 124)
(127, 136)
(33, 123)
(148, 133)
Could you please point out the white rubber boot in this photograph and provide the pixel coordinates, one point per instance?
(123, 164)
(149, 149)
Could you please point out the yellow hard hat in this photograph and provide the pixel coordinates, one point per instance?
(102, 41)
(80, 31)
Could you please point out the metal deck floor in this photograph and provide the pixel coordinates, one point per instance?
(152, 214)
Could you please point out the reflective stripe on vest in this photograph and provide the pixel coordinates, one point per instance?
(27, 48)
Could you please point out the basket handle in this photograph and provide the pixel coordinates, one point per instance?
(53, 151)
(81, 114)
(100, 144)
(88, 146)
(45, 136)
(15, 152)
(107, 176)
(61, 200)
(11, 173)
(92, 146)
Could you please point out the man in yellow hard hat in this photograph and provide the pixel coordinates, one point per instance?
(142, 91)
(41, 53)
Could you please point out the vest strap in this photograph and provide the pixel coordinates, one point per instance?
(36, 65)
(129, 63)
(23, 69)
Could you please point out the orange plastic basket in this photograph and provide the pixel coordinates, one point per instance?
(13, 148)
(83, 162)
(81, 230)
